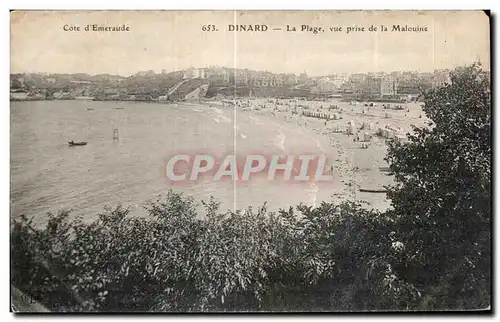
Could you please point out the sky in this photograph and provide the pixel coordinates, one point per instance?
(174, 40)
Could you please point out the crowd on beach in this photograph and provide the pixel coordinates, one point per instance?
(357, 131)
(361, 121)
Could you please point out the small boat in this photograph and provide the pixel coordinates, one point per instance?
(374, 190)
(71, 143)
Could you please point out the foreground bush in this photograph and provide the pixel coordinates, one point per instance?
(334, 257)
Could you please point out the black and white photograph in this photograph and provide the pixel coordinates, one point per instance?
(250, 161)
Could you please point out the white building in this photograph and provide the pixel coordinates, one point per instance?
(194, 73)
(323, 80)
(324, 85)
(19, 95)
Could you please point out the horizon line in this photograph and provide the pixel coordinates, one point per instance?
(155, 71)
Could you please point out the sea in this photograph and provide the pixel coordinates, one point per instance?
(48, 175)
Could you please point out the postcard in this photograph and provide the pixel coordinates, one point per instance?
(250, 161)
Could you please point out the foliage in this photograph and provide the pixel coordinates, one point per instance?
(173, 260)
(442, 199)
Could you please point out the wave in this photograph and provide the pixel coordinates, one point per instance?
(255, 120)
(224, 119)
(219, 116)
(280, 139)
(308, 135)
(217, 110)
(221, 119)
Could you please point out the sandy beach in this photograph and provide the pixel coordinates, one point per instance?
(358, 163)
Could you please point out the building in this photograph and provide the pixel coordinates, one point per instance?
(148, 73)
(358, 78)
(388, 86)
(396, 74)
(162, 98)
(440, 78)
(266, 80)
(381, 86)
(241, 78)
(325, 85)
(303, 78)
(312, 81)
(278, 80)
(323, 80)
(290, 79)
(339, 80)
(410, 77)
(218, 77)
(194, 73)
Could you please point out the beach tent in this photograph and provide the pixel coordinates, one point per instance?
(401, 138)
(366, 136)
(351, 127)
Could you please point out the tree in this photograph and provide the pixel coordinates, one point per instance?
(442, 195)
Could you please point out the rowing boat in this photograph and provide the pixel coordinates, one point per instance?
(71, 143)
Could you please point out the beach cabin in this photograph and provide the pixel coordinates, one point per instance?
(366, 137)
(367, 126)
(401, 138)
(351, 127)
